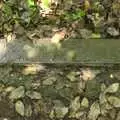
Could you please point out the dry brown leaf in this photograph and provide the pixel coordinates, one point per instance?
(88, 74)
(58, 36)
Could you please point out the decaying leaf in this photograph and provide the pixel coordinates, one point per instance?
(17, 93)
(58, 36)
(28, 110)
(78, 114)
(19, 107)
(9, 89)
(94, 111)
(51, 115)
(33, 69)
(112, 88)
(71, 76)
(49, 81)
(103, 87)
(75, 105)
(112, 113)
(115, 101)
(102, 98)
(33, 95)
(118, 116)
(113, 31)
(85, 102)
(59, 110)
(88, 74)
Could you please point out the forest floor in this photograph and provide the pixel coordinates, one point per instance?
(59, 92)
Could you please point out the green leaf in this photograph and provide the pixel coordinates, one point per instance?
(80, 13)
(31, 3)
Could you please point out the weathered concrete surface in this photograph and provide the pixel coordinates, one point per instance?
(72, 51)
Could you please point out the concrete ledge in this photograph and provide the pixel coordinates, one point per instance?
(91, 51)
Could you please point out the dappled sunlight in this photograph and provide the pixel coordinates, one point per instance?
(30, 51)
(33, 69)
(71, 55)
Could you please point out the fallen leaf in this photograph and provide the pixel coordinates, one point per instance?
(88, 74)
(112, 88)
(58, 36)
(28, 110)
(85, 102)
(33, 95)
(103, 87)
(49, 81)
(9, 89)
(19, 107)
(94, 111)
(33, 69)
(75, 105)
(102, 98)
(71, 76)
(113, 31)
(17, 93)
(60, 112)
(115, 101)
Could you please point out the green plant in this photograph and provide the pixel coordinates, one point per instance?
(23, 12)
(78, 14)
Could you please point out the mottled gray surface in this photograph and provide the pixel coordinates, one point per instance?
(75, 50)
(11, 51)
